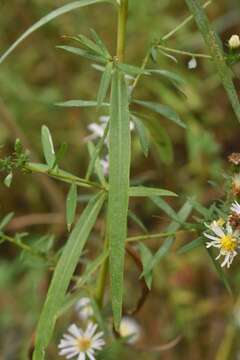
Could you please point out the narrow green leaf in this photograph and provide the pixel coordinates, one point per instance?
(104, 84)
(89, 44)
(48, 148)
(149, 192)
(63, 274)
(119, 161)
(143, 134)
(97, 166)
(91, 268)
(84, 53)
(6, 220)
(79, 103)
(100, 43)
(168, 74)
(183, 214)
(71, 205)
(165, 207)
(146, 257)
(52, 15)
(161, 139)
(162, 251)
(132, 70)
(216, 51)
(163, 110)
(95, 155)
(137, 221)
(190, 246)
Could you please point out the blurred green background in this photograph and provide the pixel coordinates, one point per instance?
(188, 298)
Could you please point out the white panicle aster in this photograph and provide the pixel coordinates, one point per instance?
(235, 208)
(234, 42)
(84, 308)
(129, 328)
(225, 239)
(80, 344)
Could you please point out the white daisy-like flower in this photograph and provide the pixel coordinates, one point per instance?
(234, 42)
(130, 328)
(225, 239)
(81, 344)
(84, 308)
(235, 208)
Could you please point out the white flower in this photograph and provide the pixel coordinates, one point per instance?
(225, 239)
(235, 208)
(84, 308)
(129, 327)
(234, 42)
(105, 165)
(81, 344)
(192, 64)
(97, 131)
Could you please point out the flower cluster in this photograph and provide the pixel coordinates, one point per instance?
(83, 344)
(225, 235)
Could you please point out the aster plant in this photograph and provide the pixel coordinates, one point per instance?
(120, 116)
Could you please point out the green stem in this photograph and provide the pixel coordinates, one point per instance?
(59, 175)
(182, 52)
(122, 22)
(183, 23)
(155, 236)
(102, 278)
(24, 247)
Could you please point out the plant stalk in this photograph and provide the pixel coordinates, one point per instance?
(122, 27)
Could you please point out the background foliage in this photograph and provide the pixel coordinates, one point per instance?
(188, 298)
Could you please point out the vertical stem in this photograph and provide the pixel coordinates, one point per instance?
(122, 22)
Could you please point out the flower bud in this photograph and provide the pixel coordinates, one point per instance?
(234, 42)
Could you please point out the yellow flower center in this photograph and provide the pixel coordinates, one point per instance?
(228, 243)
(84, 344)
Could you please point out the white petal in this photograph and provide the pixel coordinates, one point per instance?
(74, 330)
(91, 356)
(81, 356)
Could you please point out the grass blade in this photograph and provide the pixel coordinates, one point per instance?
(49, 17)
(119, 160)
(216, 51)
(63, 273)
(79, 103)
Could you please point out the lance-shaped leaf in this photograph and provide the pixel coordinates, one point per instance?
(71, 205)
(163, 110)
(79, 103)
(119, 161)
(48, 148)
(46, 19)
(216, 51)
(63, 274)
(104, 84)
(149, 192)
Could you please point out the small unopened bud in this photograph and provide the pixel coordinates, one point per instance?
(234, 42)
(234, 158)
(236, 184)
